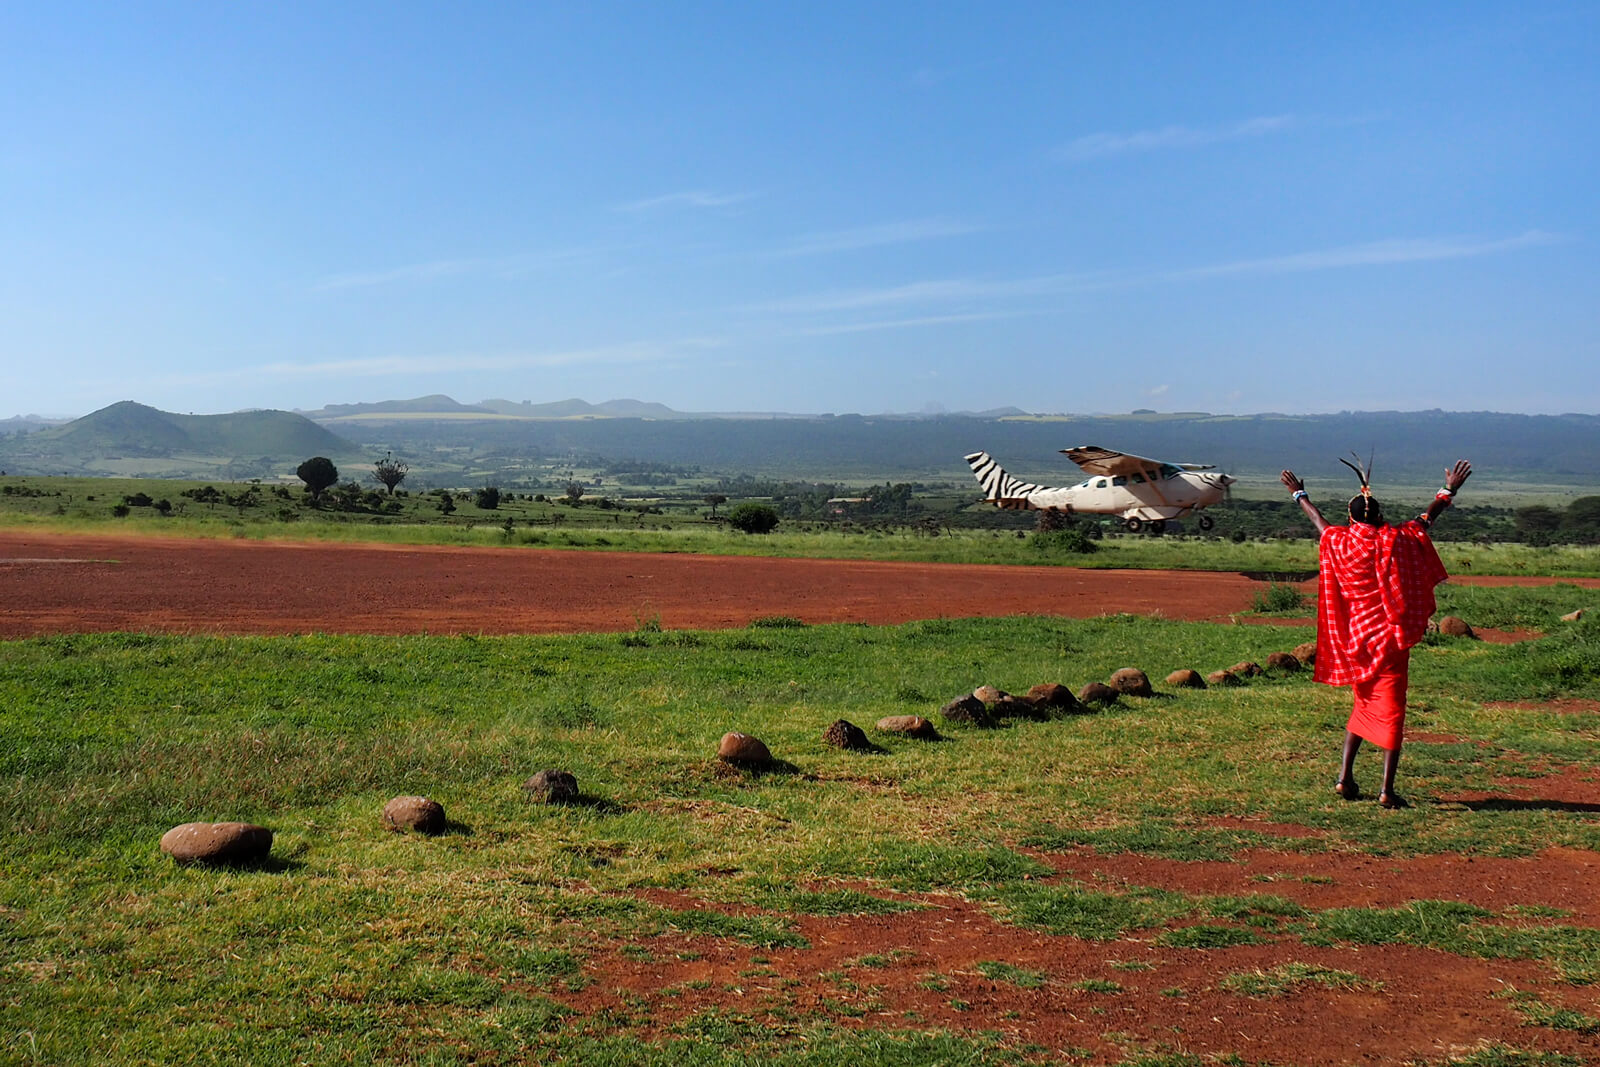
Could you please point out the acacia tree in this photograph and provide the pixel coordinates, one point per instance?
(716, 500)
(574, 492)
(389, 472)
(318, 473)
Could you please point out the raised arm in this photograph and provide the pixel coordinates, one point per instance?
(1453, 479)
(1298, 488)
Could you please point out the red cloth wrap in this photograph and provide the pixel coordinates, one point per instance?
(1374, 598)
(1380, 702)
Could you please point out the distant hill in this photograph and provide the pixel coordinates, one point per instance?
(444, 408)
(128, 438)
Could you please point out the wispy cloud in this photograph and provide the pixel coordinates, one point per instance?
(900, 324)
(1371, 254)
(697, 198)
(505, 267)
(943, 291)
(445, 363)
(889, 233)
(1168, 138)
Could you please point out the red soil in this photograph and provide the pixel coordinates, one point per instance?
(922, 969)
(55, 584)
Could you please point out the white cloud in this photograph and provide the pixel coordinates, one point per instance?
(697, 198)
(1102, 145)
(1373, 253)
(505, 267)
(889, 233)
(441, 363)
(945, 291)
(900, 324)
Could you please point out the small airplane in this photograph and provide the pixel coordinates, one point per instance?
(1142, 492)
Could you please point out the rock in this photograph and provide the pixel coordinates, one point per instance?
(1131, 681)
(217, 842)
(1572, 616)
(842, 734)
(968, 709)
(1009, 706)
(1097, 693)
(743, 749)
(1286, 662)
(1186, 679)
(1052, 695)
(1306, 653)
(552, 787)
(989, 694)
(910, 725)
(1247, 669)
(414, 813)
(1223, 678)
(1451, 626)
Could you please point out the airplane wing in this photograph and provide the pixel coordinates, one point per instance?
(1096, 460)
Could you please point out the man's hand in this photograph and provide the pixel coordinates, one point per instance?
(1455, 476)
(1294, 484)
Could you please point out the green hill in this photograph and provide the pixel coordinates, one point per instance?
(133, 439)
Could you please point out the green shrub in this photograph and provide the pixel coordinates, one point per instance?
(752, 518)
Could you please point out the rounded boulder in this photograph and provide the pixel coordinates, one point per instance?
(743, 749)
(1247, 669)
(968, 710)
(910, 725)
(1186, 678)
(1306, 653)
(217, 842)
(420, 814)
(1223, 678)
(1452, 626)
(1097, 693)
(1052, 695)
(552, 787)
(845, 734)
(1283, 661)
(1131, 681)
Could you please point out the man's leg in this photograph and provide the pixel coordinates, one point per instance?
(1391, 763)
(1346, 786)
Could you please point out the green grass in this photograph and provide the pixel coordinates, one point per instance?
(84, 505)
(357, 944)
(1286, 978)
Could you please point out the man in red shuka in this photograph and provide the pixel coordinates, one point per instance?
(1374, 599)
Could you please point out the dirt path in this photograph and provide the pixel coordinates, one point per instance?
(56, 584)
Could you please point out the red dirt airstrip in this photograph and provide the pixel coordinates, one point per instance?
(1094, 1002)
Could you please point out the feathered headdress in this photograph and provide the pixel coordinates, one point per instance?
(1362, 472)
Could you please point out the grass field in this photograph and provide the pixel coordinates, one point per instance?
(502, 940)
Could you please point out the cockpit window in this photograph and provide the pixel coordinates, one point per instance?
(1119, 480)
(1169, 471)
(1101, 484)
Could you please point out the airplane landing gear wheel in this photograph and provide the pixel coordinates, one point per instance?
(1158, 527)
(1207, 522)
(1132, 525)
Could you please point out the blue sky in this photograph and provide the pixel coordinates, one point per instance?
(801, 207)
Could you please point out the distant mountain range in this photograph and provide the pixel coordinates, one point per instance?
(445, 407)
(507, 443)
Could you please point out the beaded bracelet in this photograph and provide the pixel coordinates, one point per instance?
(1299, 495)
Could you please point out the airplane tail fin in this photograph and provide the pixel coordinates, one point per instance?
(998, 486)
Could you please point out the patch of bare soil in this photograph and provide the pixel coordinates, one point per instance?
(1110, 1000)
(165, 585)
